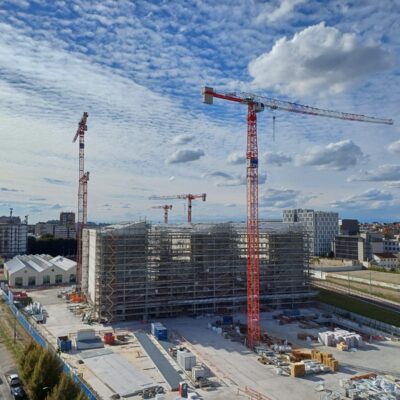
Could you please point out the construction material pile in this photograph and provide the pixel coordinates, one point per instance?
(373, 388)
(325, 358)
(333, 338)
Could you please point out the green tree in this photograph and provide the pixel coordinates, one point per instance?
(45, 376)
(66, 389)
(28, 360)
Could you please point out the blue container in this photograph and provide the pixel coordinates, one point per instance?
(64, 343)
(161, 333)
(227, 320)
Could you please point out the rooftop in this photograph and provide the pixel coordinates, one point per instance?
(39, 263)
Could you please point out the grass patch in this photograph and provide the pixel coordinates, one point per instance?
(351, 304)
(7, 331)
(14, 348)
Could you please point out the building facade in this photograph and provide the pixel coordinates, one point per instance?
(346, 246)
(39, 270)
(386, 260)
(391, 245)
(63, 229)
(349, 227)
(320, 226)
(13, 237)
(143, 271)
(67, 219)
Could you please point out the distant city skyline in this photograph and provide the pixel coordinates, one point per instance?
(138, 70)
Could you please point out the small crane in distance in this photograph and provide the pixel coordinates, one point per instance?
(166, 208)
(189, 197)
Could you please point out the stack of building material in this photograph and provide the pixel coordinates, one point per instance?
(186, 359)
(300, 354)
(342, 346)
(332, 338)
(297, 369)
(325, 358)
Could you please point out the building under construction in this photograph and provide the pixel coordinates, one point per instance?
(145, 271)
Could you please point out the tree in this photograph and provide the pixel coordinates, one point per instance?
(45, 376)
(66, 389)
(28, 361)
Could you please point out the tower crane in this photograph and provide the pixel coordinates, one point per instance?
(189, 197)
(254, 105)
(84, 182)
(166, 208)
(82, 204)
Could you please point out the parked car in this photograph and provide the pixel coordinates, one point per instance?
(13, 380)
(18, 392)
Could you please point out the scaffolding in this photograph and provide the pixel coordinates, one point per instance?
(144, 271)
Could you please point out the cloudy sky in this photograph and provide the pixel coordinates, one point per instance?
(137, 68)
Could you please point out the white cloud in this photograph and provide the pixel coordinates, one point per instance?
(393, 185)
(279, 198)
(230, 205)
(318, 59)
(370, 199)
(236, 158)
(219, 174)
(385, 172)
(277, 158)
(282, 11)
(337, 156)
(394, 147)
(184, 156)
(182, 139)
(239, 180)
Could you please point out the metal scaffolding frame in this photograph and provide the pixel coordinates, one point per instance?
(144, 271)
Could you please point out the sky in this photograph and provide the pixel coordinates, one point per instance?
(138, 67)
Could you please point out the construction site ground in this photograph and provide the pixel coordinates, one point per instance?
(233, 365)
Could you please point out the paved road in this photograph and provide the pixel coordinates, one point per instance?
(7, 365)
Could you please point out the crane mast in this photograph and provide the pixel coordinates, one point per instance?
(189, 197)
(82, 196)
(166, 208)
(257, 104)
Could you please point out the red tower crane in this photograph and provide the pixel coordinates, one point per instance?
(82, 204)
(189, 197)
(84, 181)
(254, 105)
(165, 207)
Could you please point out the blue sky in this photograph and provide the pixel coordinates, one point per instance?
(137, 68)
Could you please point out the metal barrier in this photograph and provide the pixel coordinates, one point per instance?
(42, 342)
